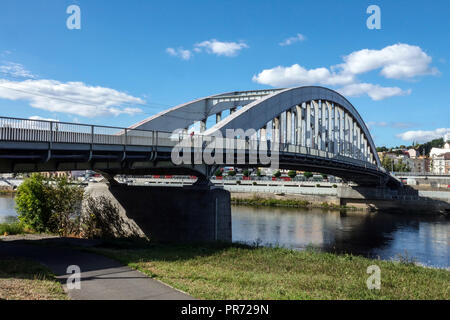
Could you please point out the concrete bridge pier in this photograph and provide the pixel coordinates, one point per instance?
(170, 214)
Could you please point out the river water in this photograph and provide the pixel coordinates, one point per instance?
(424, 239)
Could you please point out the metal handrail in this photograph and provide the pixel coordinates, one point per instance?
(31, 130)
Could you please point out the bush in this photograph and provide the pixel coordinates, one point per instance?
(277, 174)
(307, 175)
(292, 174)
(254, 183)
(246, 173)
(318, 185)
(218, 173)
(334, 185)
(232, 173)
(258, 173)
(12, 228)
(49, 205)
(238, 182)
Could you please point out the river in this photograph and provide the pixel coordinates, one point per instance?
(424, 239)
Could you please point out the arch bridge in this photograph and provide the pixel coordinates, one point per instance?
(307, 128)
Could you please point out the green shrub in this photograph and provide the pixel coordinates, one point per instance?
(334, 185)
(12, 228)
(307, 175)
(292, 174)
(246, 173)
(218, 173)
(277, 174)
(238, 182)
(49, 205)
(318, 185)
(232, 173)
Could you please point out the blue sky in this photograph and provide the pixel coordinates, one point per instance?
(131, 59)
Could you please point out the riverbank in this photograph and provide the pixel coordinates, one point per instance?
(230, 271)
(259, 201)
(7, 192)
(22, 279)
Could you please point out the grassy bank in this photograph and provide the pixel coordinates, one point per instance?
(12, 228)
(242, 272)
(26, 280)
(289, 203)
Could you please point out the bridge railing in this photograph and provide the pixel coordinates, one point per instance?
(30, 130)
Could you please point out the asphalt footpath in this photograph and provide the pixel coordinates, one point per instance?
(101, 278)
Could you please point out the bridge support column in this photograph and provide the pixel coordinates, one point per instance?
(308, 135)
(276, 130)
(330, 128)
(341, 132)
(169, 214)
(316, 125)
(323, 126)
(289, 126)
(299, 129)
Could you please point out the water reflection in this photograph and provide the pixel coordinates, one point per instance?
(426, 239)
(7, 208)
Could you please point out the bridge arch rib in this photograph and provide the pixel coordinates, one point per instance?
(338, 118)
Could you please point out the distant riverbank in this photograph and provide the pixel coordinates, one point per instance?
(7, 191)
(259, 201)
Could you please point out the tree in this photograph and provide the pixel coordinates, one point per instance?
(307, 175)
(33, 203)
(49, 205)
(292, 174)
(66, 207)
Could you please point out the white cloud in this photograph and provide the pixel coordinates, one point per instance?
(228, 49)
(424, 136)
(374, 91)
(15, 70)
(41, 118)
(74, 98)
(180, 52)
(398, 61)
(298, 75)
(292, 40)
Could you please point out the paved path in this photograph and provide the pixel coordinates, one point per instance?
(101, 278)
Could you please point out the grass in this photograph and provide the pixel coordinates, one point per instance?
(291, 203)
(243, 272)
(11, 228)
(22, 279)
(7, 192)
